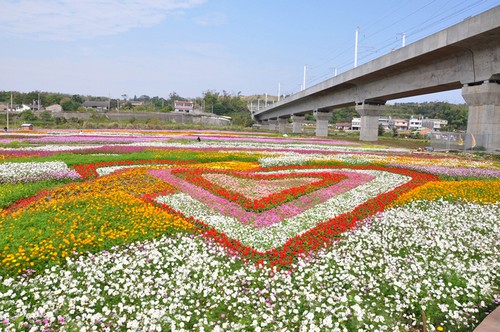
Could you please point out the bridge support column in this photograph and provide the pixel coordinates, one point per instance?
(483, 124)
(298, 122)
(282, 122)
(369, 120)
(272, 125)
(322, 123)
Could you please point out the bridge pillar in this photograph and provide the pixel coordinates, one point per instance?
(322, 123)
(272, 124)
(298, 122)
(282, 122)
(483, 123)
(369, 120)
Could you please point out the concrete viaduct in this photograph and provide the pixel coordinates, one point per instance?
(465, 55)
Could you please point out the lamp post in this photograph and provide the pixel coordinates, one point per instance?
(7, 127)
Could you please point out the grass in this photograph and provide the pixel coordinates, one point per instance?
(13, 192)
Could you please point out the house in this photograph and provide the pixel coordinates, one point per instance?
(36, 106)
(22, 108)
(415, 124)
(183, 106)
(27, 127)
(135, 103)
(411, 124)
(399, 124)
(97, 105)
(56, 108)
(434, 124)
(384, 122)
(356, 124)
(343, 126)
(426, 132)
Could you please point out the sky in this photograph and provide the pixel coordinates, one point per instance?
(114, 48)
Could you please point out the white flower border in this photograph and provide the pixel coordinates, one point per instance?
(180, 283)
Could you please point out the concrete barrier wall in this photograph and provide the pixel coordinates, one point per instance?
(207, 119)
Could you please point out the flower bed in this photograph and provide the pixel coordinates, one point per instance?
(252, 235)
(33, 171)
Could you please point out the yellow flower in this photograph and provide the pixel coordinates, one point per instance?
(486, 191)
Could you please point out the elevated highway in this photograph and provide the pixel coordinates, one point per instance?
(465, 55)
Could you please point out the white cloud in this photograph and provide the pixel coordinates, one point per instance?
(211, 19)
(69, 19)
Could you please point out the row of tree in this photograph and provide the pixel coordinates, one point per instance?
(224, 104)
(233, 105)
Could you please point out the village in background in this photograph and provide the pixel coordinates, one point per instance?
(27, 111)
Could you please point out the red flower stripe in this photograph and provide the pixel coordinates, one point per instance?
(195, 176)
(90, 170)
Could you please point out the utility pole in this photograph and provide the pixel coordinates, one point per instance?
(279, 91)
(8, 111)
(304, 80)
(356, 48)
(404, 39)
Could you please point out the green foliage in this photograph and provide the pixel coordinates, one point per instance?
(12, 192)
(46, 116)
(72, 159)
(225, 104)
(242, 119)
(381, 130)
(28, 115)
(77, 99)
(15, 144)
(69, 105)
(344, 115)
(309, 117)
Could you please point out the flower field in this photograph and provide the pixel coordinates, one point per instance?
(157, 231)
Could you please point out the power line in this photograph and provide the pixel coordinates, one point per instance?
(391, 43)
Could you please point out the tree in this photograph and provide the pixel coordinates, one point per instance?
(381, 130)
(242, 119)
(225, 104)
(28, 115)
(343, 115)
(46, 115)
(77, 99)
(210, 98)
(51, 98)
(69, 105)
